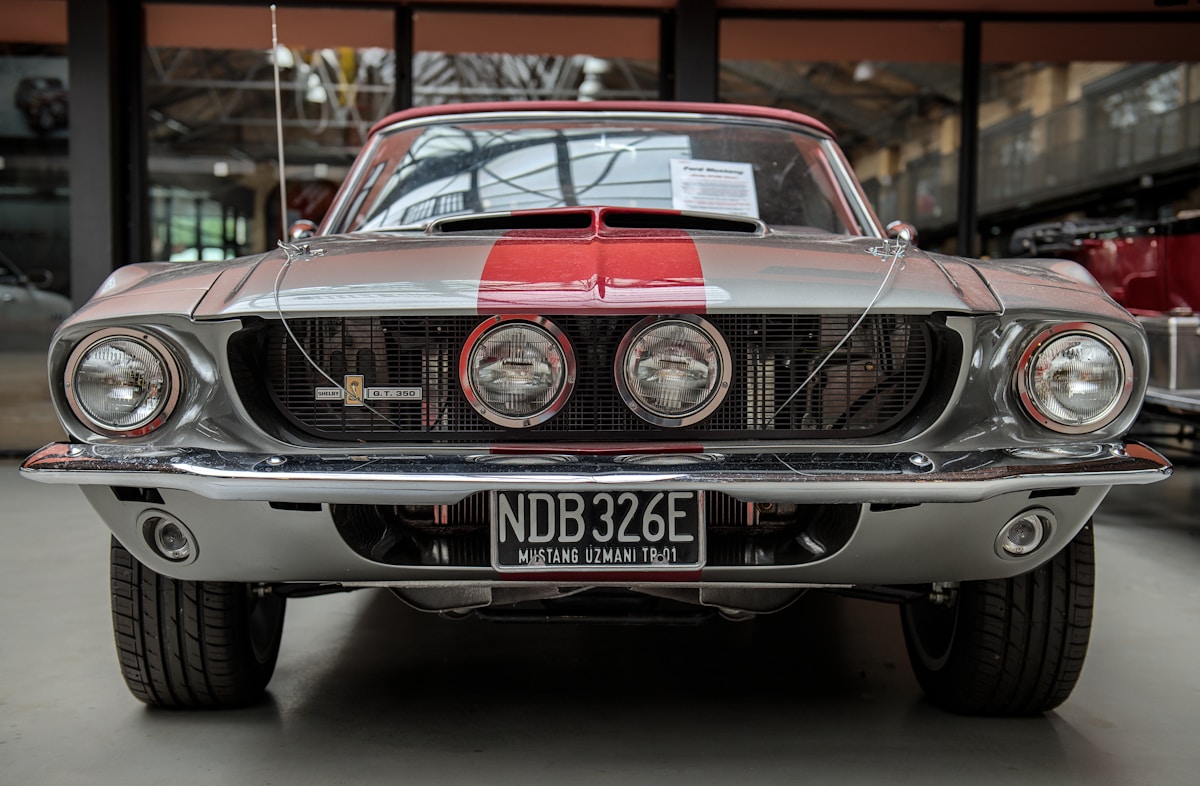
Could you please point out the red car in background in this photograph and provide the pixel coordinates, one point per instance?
(1153, 270)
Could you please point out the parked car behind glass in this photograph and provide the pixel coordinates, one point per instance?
(28, 314)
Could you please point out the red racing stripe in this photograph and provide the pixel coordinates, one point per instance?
(649, 271)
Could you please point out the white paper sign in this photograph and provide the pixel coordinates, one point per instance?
(713, 187)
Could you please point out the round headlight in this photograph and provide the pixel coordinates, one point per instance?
(121, 383)
(673, 371)
(1075, 378)
(517, 371)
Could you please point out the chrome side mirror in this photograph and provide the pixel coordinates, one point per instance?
(302, 229)
(902, 230)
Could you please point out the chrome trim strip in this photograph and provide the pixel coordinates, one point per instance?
(1186, 400)
(439, 480)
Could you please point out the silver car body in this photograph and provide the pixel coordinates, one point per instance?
(928, 500)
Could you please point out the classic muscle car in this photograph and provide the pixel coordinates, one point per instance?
(544, 358)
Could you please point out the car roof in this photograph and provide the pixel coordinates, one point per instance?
(678, 107)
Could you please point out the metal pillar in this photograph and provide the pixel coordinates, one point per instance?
(403, 97)
(968, 143)
(695, 50)
(666, 55)
(109, 225)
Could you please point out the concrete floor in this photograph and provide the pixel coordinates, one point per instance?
(367, 691)
(27, 418)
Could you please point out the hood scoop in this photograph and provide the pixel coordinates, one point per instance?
(597, 219)
(696, 222)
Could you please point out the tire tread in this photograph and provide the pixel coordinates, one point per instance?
(184, 643)
(1020, 643)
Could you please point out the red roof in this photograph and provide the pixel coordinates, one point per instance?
(736, 110)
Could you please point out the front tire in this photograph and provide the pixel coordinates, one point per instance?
(1007, 647)
(192, 643)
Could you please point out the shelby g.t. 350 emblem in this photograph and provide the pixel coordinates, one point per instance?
(354, 393)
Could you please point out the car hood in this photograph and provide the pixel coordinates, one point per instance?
(549, 271)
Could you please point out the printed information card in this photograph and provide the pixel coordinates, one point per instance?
(713, 187)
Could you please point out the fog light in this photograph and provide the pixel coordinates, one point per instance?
(168, 536)
(1025, 533)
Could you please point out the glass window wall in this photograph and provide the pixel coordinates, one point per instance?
(34, 217)
(891, 91)
(466, 57)
(210, 102)
(1100, 127)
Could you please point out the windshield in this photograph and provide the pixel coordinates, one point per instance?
(770, 172)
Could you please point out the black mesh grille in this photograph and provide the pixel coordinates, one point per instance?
(867, 386)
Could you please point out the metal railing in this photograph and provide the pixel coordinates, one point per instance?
(1034, 159)
(1075, 148)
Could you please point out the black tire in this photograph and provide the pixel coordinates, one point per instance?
(1007, 647)
(192, 643)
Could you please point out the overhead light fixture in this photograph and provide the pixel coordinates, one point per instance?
(593, 69)
(316, 93)
(283, 56)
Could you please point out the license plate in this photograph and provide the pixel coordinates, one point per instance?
(597, 530)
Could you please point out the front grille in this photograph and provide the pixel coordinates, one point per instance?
(868, 386)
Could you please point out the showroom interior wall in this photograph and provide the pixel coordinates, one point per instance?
(969, 124)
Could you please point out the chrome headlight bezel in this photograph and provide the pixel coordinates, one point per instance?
(487, 330)
(172, 381)
(1026, 371)
(714, 398)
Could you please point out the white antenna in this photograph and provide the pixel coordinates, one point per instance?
(283, 227)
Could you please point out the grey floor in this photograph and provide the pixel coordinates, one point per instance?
(369, 692)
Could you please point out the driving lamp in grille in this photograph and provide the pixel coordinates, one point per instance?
(517, 371)
(673, 371)
(1075, 378)
(121, 383)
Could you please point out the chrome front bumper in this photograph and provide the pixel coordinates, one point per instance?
(442, 480)
(922, 517)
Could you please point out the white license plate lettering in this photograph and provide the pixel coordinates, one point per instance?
(628, 501)
(605, 502)
(675, 515)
